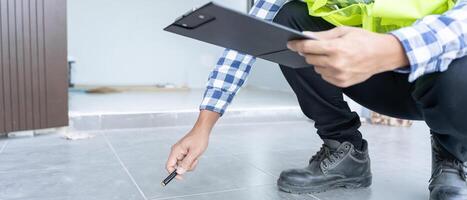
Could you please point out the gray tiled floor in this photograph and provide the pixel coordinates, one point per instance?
(242, 162)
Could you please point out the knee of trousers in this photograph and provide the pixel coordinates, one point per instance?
(442, 98)
(290, 12)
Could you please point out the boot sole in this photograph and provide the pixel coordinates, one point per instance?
(350, 183)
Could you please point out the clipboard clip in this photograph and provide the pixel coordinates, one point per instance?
(193, 20)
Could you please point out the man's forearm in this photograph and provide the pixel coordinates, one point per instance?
(233, 67)
(206, 121)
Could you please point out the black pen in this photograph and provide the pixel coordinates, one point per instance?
(169, 178)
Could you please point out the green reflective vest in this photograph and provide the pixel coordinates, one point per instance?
(380, 16)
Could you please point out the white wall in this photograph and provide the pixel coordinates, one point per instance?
(121, 42)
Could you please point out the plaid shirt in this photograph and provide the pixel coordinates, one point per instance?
(431, 44)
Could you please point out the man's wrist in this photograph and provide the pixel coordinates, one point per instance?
(206, 120)
(393, 53)
(396, 53)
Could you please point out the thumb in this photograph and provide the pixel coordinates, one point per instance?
(186, 163)
(330, 34)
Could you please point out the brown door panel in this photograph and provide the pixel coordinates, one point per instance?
(33, 64)
(56, 57)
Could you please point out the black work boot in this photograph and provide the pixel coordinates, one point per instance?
(448, 179)
(336, 165)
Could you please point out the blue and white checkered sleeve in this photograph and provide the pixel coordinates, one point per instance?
(233, 67)
(433, 42)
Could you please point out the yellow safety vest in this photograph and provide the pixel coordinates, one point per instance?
(381, 16)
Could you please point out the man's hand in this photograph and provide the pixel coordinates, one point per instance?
(185, 153)
(345, 56)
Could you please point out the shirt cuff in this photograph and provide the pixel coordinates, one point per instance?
(422, 48)
(216, 100)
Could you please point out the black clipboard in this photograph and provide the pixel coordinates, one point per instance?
(231, 29)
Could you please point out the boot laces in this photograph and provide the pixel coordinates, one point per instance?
(321, 154)
(332, 158)
(463, 170)
(326, 156)
(452, 166)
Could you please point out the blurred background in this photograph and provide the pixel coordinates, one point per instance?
(118, 42)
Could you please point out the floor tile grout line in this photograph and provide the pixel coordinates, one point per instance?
(313, 196)
(256, 167)
(213, 192)
(235, 156)
(270, 174)
(3, 146)
(198, 194)
(124, 167)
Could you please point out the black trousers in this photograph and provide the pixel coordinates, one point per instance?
(440, 99)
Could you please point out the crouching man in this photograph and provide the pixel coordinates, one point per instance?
(409, 65)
